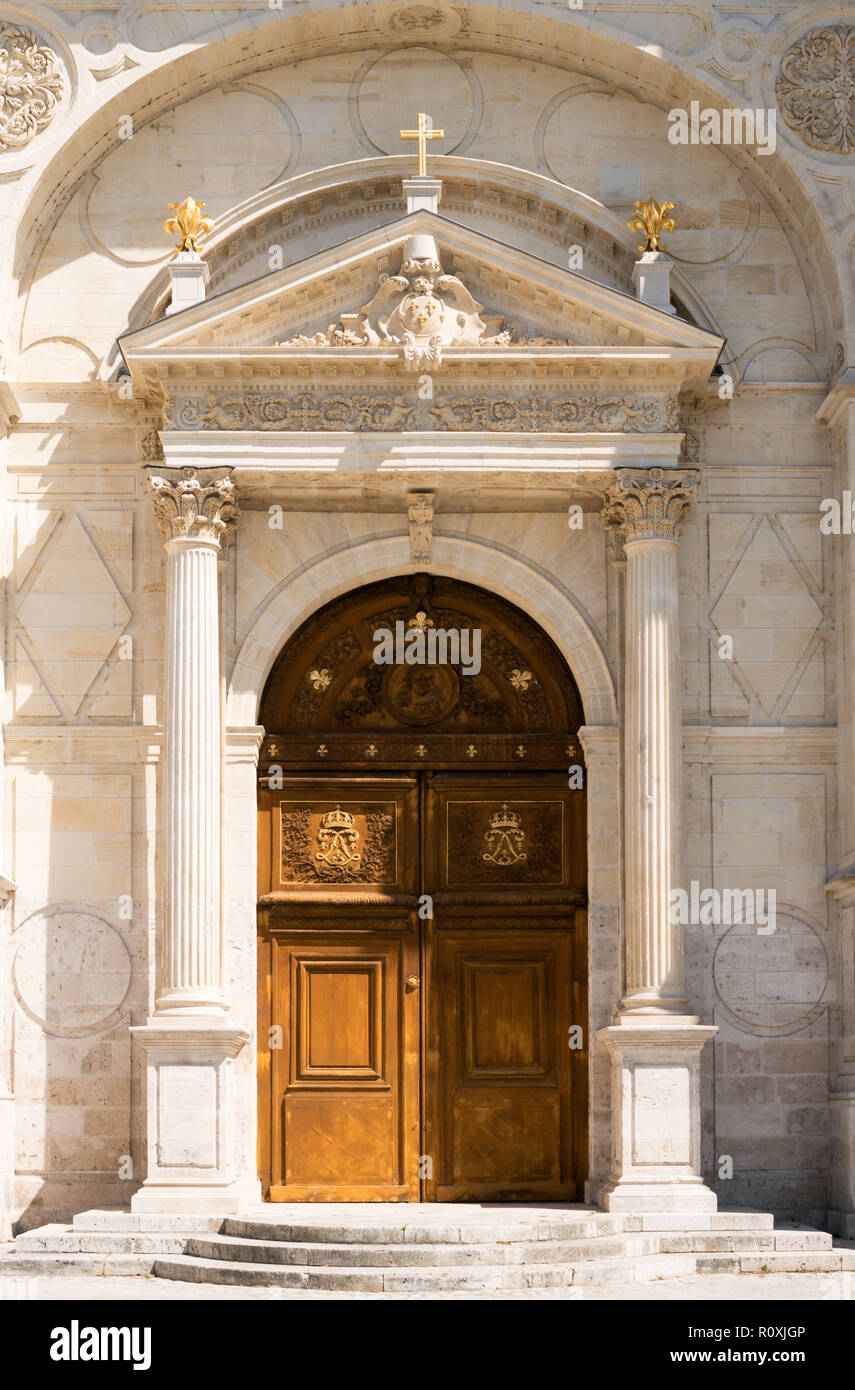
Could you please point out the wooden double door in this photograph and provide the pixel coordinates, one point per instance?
(422, 988)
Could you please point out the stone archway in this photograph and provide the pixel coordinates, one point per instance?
(303, 593)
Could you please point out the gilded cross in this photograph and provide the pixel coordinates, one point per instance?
(424, 133)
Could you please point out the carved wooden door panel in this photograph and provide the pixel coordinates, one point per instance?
(339, 1002)
(504, 956)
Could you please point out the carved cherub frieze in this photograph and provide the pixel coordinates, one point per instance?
(421, 310)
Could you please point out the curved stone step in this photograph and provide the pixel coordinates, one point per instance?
(344, 1230)
(364, 1256)
(405, 1279)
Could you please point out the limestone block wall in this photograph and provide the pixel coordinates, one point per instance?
(82, 626)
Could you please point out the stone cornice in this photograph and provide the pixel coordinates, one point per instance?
(767, 744)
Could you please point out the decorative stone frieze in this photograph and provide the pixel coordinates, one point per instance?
(816, 88)
(187, 507)
(565, 413)
(31, 86)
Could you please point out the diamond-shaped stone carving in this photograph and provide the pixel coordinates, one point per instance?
(769, 605)
(73, 613)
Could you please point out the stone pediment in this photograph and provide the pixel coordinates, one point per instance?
(423, 293)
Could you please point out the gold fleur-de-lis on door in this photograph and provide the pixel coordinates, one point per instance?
(320, 679)
(520, 680)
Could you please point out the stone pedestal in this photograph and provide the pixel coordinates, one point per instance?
(656, 1115)
(189, 275)
(651, 276)
(422, 193)
(656, 1043)
(190, 1041)
(190, 1108)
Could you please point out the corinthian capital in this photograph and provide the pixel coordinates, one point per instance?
(645, 504)
(188, 507)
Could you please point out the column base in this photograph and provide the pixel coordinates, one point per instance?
(189, 1103)
(656, 1120)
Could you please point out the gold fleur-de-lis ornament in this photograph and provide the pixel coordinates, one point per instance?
(652, 219)
(190, 222)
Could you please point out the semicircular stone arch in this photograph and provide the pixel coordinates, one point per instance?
(303, 593)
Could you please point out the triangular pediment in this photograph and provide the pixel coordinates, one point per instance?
(426, 292)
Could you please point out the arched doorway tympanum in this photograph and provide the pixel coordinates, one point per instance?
(422, 895)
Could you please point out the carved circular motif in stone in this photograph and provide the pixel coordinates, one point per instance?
(816, 88)
(424, 20)
(71, 971)
(420, 695)
(386, 102)
(32, 85)
(774, 984)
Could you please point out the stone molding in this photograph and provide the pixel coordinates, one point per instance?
(188, 507)
(649, 504)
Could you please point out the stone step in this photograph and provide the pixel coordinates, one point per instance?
(363, 1256)
(341, 1231)
(127, 1222)
(776, 1262)
(406, 1279)
(747, 1242)
(716, 1221)
(49, 1262)
(61, 1240)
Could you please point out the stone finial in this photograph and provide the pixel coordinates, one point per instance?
(188, 507)
(646, 504)
(188, 273)
(420, 514)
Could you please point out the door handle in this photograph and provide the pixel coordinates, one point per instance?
(412, 983)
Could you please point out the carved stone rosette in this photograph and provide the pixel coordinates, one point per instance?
(649, 503)
(31, 86)
(816, 88)
(188, 507)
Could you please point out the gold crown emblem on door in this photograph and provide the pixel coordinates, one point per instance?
(505, 838)
(337, 839)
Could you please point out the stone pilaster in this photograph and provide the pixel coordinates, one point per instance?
(655, 1043)
(190, 1043)
(837, 413)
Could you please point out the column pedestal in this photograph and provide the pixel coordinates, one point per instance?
(656, 1115)
(190, 1105)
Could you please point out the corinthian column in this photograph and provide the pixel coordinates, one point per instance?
(195, 518)
(655, 1044)
(190, 1042)
(646, 507)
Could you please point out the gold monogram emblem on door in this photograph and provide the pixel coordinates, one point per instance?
(505, 838)
(337, 839)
